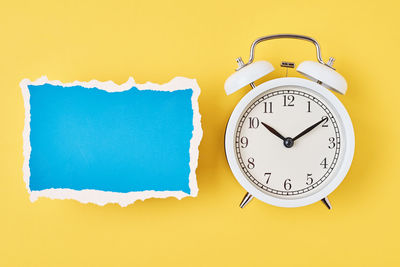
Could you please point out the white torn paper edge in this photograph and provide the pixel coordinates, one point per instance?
(103, 197)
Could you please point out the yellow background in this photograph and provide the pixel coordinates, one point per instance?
(155, 41)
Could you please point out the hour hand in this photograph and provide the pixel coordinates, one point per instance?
(272, 130)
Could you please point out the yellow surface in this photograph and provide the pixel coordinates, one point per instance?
(155, 41)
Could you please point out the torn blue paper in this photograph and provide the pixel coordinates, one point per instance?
(105, 143)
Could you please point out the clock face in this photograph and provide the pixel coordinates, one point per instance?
(288, 142)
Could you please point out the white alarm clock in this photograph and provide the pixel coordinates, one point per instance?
(289, 141)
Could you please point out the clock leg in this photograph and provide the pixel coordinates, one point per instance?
(326, 202)
(246, 200)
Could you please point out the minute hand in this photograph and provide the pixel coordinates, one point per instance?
(309, 129)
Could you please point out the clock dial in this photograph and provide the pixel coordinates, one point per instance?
(288, 142)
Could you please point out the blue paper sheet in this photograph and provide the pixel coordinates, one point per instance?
(100, 142)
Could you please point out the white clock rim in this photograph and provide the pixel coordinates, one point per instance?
(348, 147)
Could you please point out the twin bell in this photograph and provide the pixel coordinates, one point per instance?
(317, 71)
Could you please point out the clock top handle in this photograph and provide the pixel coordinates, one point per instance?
(320, 72)
(289, 36)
